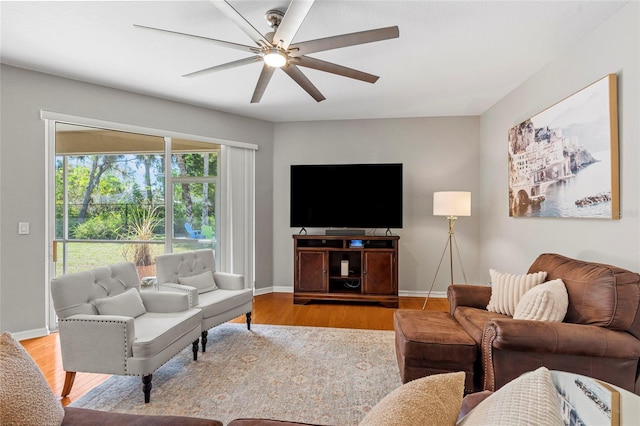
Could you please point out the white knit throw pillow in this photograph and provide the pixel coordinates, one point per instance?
(545, 302)
(530, 399)
(507, 289)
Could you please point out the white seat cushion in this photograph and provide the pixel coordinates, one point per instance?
(217, 302)
(156, 331)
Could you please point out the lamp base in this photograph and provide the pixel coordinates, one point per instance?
(451, 241)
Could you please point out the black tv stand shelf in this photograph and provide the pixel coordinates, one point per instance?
(371, 276)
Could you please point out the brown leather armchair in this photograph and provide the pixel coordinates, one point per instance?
(599, 337)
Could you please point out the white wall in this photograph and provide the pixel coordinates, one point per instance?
(437, 154)
(22, 194)
(511, 244)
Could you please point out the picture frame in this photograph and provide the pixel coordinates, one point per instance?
(586, 401)
(564, 161)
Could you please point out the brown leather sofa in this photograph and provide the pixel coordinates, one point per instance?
(86, 417)
(599, 337)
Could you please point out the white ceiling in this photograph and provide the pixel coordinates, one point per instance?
(452, 57)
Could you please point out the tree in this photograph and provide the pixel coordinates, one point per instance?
(186, 189)
(99, 165)
(149, 162)
(195, 164)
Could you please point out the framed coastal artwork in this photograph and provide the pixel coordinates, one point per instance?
(563, 162)
(586, 401)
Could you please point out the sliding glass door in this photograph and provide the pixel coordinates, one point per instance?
(111, 199)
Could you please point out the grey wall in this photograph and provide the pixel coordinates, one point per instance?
(511, 244)
(455, 153)
(22, 170)
(437, 153)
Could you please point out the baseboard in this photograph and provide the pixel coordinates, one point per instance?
(272, 289)
(30, 334)
(434, 294)
(402, 293)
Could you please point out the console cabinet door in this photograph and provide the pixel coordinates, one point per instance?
(311, 270)
(379, 273)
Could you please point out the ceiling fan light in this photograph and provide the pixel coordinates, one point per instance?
(275, 58)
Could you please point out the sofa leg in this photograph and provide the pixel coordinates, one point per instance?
(203, 339)
(194, 349)
(248, 320)
(146, 387)
(68, 383)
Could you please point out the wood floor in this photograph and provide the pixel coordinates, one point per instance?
(273, 308)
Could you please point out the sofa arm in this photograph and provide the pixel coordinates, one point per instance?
(165, 301)
(191, 292)
(475, 296)
(227, 281)
(96, 343)
(512, 347)
(559, 338)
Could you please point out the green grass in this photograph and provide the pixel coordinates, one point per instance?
(85, 256)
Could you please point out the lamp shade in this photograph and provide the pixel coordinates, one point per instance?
(452, 203)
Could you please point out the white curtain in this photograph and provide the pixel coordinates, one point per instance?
(237, 212)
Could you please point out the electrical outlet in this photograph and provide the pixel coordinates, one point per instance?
(23, 228)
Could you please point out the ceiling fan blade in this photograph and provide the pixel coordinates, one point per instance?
(218, 42)
(263, 81)
(242, 23)
(233, 64)
(344, 40)
(291, 22)
(317, 64)
(302, 80)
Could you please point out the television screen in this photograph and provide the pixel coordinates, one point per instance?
(346, 196)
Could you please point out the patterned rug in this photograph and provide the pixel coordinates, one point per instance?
(327, 376)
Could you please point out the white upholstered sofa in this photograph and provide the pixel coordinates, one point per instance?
(221, 296)
(108, 326)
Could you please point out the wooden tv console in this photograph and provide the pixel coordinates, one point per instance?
(372, 273)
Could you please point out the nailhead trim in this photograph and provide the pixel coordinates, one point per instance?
(487, 352)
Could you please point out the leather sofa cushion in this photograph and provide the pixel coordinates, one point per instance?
(473, 320)
(599, 294)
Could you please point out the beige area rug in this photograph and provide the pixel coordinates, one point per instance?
(315, 375)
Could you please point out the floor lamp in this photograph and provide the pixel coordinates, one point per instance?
(451, 204)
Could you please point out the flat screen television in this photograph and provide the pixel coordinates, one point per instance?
(346, 196)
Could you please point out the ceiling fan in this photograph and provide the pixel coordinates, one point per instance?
(277, 50)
